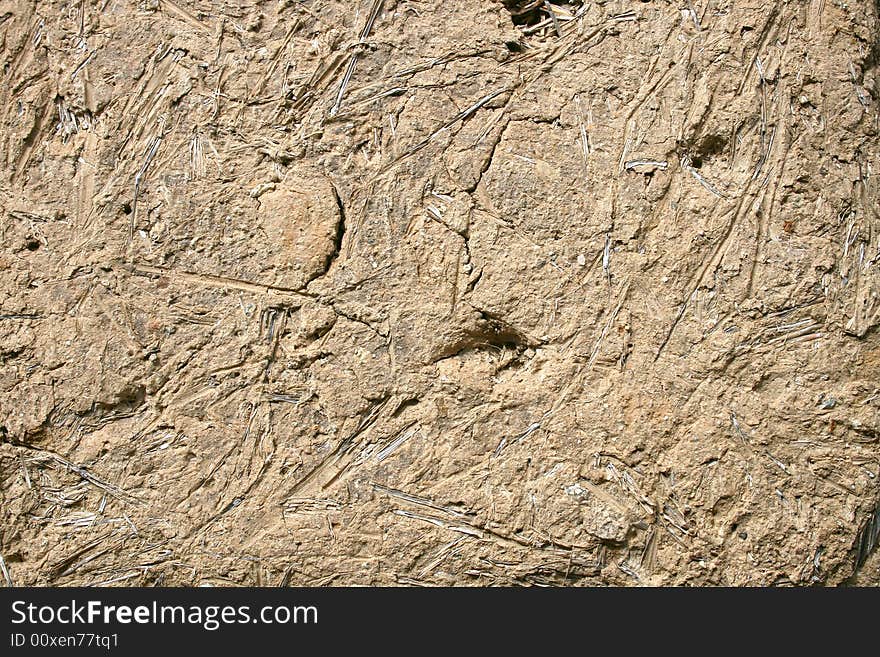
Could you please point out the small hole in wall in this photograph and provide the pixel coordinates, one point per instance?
(532, 12)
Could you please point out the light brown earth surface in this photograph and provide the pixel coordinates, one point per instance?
(439, 292)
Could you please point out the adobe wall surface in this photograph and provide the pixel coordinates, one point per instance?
(439, 292)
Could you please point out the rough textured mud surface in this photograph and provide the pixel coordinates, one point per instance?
(439, 292)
